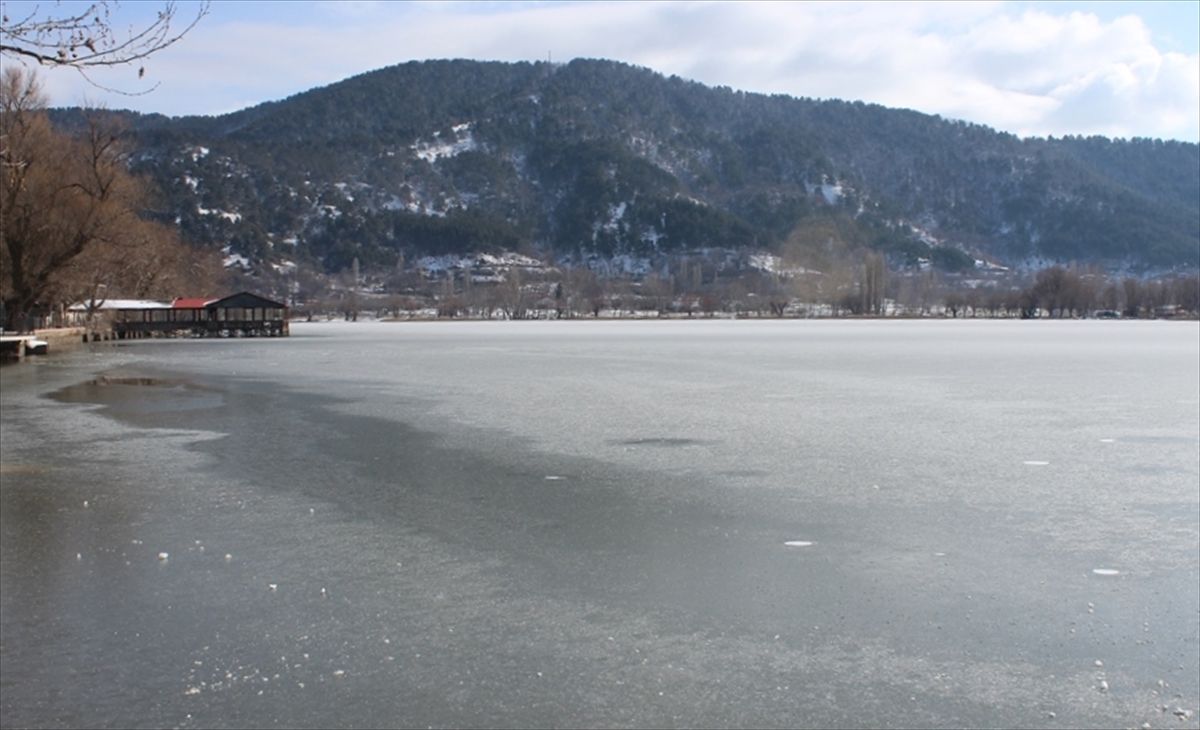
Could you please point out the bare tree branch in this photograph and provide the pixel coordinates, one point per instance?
(89, 39)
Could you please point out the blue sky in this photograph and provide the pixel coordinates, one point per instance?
(1120, 69)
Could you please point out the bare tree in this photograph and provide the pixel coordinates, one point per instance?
(874, 283)
(70, 220)
(510, 295)
(89, 38)
(1134, 296)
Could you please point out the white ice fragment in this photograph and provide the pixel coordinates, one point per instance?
(554, 478)
(939, 555)
(1105, 571)
(228, 557)
(312, 510)
(192, 691)
(163, 556)
(1036, 463)
(339, 672)
(273, 586)
(798, 543)
(1098, 663)
(1108, 441)
(79, 556)
(1103, 685)
(323, 593)
(85, 504)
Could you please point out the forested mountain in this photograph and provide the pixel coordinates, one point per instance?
(596, 160)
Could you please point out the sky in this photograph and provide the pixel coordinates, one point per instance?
(1118, 69)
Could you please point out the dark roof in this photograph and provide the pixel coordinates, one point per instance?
(241, 299)
(246, 299)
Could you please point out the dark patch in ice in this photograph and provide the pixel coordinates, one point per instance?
(15, 469)
(1182, 440)
(662, 442)
(743, 473)
(135, 380)
(133, 396)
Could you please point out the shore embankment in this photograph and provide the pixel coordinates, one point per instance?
(57, 339)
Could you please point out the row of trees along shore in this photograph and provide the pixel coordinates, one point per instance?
(866, 290)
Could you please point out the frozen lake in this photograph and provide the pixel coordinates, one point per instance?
(709, 523)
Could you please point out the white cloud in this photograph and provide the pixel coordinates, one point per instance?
(1026, 71)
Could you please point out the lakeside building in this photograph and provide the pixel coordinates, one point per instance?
(238, 315)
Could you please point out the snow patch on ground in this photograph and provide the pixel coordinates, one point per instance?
(766, 262)
(772, 264)
(621, 264)
(615, 214)
(831, 193)
(231, 217)
(236, 260)
(435, 150)
(652, 237)
(449, 262)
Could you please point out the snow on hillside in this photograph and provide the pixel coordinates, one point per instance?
(231, 217)
(433, 151)
(449, 262)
